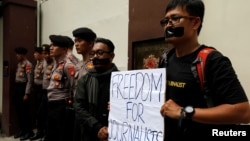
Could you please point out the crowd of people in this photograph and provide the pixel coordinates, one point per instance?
(52, 81)
(72, 95)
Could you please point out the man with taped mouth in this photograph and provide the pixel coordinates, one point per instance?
(193, 108)
(91, 102)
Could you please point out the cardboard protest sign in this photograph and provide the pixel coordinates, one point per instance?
(135, 101)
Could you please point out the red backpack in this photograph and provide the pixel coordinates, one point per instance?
(197, 68)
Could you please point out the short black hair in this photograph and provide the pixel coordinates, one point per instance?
(108, 42)
(38, 49)
(193, 7)
(21, 50)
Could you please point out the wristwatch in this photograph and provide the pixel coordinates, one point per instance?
(189, 112)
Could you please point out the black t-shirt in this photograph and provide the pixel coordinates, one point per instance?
(183, 88)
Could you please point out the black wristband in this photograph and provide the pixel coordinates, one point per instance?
(181, 117)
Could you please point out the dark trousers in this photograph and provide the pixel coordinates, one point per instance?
(60, 121)
(77, 131)
(23, 109)
(40, 96)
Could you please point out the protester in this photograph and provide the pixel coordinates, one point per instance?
(185, 111)
(92, 94)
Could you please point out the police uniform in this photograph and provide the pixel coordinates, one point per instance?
(23, 85)
(80, 69)
(48, 65)
(39, 94)
(60, 90)
(70, 55)
(62, 81)
(88, 35)
(72, 58)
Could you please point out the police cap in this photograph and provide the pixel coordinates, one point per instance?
(71, 42)
(21, 50)
(38, 49)
(84, 33)
(46, 48)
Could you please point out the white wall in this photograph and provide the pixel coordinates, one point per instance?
(226, 27)
(108, 18)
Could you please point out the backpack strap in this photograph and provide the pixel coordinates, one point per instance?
(164, 57)
(198, 70)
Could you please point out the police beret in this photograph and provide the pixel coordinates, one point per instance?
(21, 50)
(71, 42)
(84, 33)
(60, 41)
(46, 48)
(38, 49)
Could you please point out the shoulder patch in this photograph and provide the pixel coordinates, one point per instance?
(28, 68)
(89, 65)
(71, 70)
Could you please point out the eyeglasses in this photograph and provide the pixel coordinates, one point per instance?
(174, 20)
(98, 53)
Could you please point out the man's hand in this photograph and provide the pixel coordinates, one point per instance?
(171, 109)
(25, 97)
(108, 105)
(103, 134)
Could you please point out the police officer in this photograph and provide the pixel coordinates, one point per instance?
(70, 54)
(38, 92)
(48, 65)
(60, 91)
(22, 92)
(84, 41)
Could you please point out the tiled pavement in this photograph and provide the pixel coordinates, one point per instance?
(11, 138)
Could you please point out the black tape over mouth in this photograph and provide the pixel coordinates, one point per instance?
(174, 32)
(101, 61)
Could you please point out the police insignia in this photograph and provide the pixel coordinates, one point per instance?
(56, 77)
(71, 70)
(28, 68)
(89, 65)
